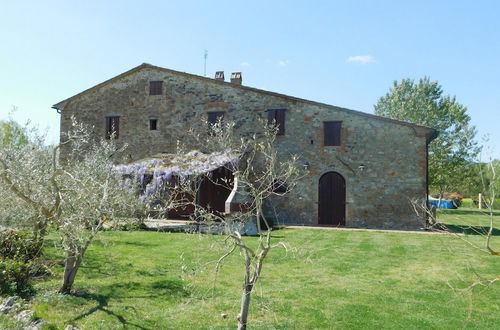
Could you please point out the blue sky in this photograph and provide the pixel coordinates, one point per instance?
(338, 52)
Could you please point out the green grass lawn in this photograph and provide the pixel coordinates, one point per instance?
(327, 279)
(471, 221)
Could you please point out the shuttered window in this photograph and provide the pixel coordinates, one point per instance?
(155, 87)
(332, 130)
(112, 127)
(277, 117)
(214, 116)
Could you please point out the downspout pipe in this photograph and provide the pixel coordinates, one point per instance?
(431, 137)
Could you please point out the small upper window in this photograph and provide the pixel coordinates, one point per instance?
(153, 124)
(155, 87)
(112, 127)
(213, 117)
(332, 130)
(277, 117)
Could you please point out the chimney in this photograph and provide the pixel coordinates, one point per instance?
(236, 78)
(219, 75)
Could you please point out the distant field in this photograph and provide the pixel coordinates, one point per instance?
(468, 203)
(328, 279)
(468, 217)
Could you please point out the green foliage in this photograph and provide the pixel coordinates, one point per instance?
(15, 278)
(471, 184)
(19, 262)
(18, 246)
(423, 103)
(11, 133)
(473, 204)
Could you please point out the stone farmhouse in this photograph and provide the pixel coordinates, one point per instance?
(363, 170)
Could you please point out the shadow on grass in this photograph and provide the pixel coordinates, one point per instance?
(102, 303)
(125, 290)
(99, 266)
(468, 212)
(470, 230)
(106, 243)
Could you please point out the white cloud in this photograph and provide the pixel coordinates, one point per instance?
(361, 59)
(244, 64)
(284, 63)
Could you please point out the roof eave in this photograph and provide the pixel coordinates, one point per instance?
(433, 135)
(61, 105)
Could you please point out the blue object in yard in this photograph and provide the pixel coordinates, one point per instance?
(443, 205)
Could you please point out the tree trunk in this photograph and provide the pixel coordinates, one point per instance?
(73, 261)
(442, 190)
(245, 305)
(39, 231)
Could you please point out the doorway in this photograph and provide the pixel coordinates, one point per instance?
(331, 199)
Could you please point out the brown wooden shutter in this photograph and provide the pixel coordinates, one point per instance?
(277, 117)
(271, 116)
(155, 87)
(112, 126)
(332, 130)
(115, 126)
(280, 121)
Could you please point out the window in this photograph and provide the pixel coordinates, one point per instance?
(279, 186)
(332, 130)
(277, 117)
(155, 87)
(112, 127)
(213, 117)
(153, 124)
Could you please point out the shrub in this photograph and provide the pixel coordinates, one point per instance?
(474, 203)
(15, 278)
(468, 202)
(18, 246)
(19, 262)
(455, 197)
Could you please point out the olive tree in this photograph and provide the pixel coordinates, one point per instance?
(77, 197)
(263, 175)
(25, 163)
(260, 175)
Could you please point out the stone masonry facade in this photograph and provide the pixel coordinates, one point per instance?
(383, 161)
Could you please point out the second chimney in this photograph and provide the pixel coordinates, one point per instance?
(236, 78)
(219, 75)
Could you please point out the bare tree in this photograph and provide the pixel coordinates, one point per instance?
(490, 184)
(263, 174)
(77, 197)
(260, 173)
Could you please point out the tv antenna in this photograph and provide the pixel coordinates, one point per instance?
(205, 66)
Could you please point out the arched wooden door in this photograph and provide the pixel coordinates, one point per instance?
(331, 199)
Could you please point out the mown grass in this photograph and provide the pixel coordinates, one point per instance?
(327, 279)
(470, 221)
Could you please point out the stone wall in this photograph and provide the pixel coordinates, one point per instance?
(393, 154)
